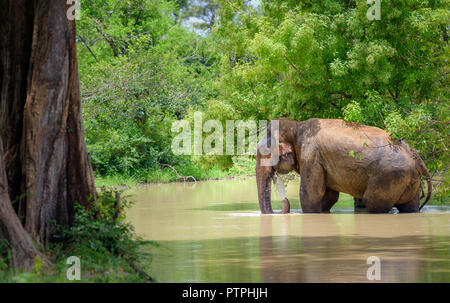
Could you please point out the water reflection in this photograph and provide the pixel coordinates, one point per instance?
(214, 233)
(311, 258)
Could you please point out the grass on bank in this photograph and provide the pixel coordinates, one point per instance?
(242, 167)
(107, 248)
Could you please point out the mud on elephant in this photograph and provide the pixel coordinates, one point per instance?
(334, 156)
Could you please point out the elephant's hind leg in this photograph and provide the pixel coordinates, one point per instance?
(411, 206)
(329, 199)
(378, 198)
(375, 205)
(409, 202)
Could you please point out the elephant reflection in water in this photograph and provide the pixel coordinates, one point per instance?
(312, 257)
(290, 258)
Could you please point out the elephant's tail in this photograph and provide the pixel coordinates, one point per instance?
(420, 165)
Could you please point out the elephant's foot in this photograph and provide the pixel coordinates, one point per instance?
(378, 206)
(286, 206)
(410, 206)
(267, 212)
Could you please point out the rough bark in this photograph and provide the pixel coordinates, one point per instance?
(24, 252)
(46, 161)
(16, 28)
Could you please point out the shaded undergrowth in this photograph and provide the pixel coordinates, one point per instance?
(107, 247)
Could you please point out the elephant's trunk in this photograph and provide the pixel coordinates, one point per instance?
(263, 181)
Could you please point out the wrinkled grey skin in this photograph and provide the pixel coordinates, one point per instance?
(334, 156)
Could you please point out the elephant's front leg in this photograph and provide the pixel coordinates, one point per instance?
(312, 187)
(286, 206)
(329, 199)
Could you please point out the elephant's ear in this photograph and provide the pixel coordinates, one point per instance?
(285, 148)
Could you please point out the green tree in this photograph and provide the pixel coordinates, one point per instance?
(325, 59)
(140, 70)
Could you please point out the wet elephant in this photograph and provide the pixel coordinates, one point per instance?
(333, 156)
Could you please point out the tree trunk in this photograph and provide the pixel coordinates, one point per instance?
(24, 252)
(46, 162)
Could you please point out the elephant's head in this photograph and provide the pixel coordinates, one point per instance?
(276, 152)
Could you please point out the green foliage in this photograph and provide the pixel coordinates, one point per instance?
(139, 71)
(38, 266)
(142, 68)
(351, 153)
(99, 238)
(353, 112)
(107, 248)
(303, 60)
(4, 256)
(242, 166)
(426, 132)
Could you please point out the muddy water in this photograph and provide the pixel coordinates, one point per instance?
(213, 232)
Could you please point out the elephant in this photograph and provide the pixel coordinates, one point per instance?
(333, 156)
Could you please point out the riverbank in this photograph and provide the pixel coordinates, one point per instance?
(107, 248)
(242, 167)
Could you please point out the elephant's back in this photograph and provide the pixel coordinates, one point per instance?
(352, 154)
(339, 127)
(341, 137)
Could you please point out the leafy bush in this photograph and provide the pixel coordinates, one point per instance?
(353, 112)
(107, 247)
(427, 132)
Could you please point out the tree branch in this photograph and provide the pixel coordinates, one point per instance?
(392, 95)
(290, 62)
(107, 37)
(89, 49)
(185, 178)
(232, 5)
